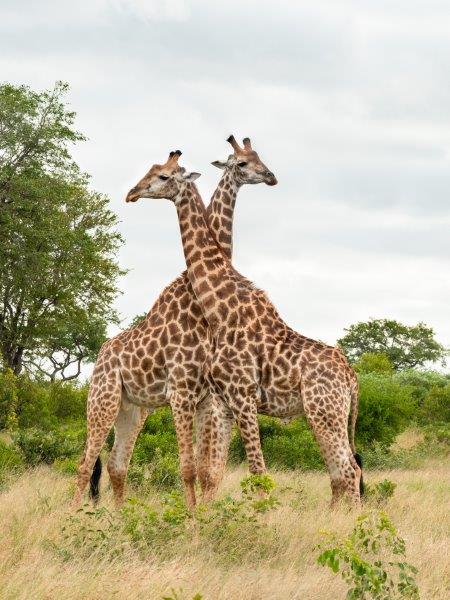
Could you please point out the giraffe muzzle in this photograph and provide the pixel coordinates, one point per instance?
(133, 195)
(270, 178)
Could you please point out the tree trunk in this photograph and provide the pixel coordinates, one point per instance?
(13, 359)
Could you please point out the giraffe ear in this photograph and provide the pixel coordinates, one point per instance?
(191, 176)
(220, 164)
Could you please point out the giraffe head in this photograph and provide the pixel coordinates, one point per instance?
(162, 181)
(245, 164)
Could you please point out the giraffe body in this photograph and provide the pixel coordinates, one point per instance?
(162, 361)
(258, 363)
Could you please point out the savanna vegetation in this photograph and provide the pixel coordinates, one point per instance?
(58, 281)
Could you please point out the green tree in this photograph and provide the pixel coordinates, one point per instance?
(59, 274)
(136, 320)
(405, 346)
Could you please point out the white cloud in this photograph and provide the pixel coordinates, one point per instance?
(176, 10)
(348, 103)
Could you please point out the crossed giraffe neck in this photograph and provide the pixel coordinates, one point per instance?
(209, 270)
(220, 210)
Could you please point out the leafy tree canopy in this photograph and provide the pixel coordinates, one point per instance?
(58, 276)
(136, 320)
(404, 346)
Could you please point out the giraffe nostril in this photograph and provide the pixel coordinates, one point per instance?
(270, 178)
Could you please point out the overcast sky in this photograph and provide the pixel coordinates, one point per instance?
(347, 102)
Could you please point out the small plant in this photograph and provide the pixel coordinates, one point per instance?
(233, 526)
(368, 561)
(174, 595)
(380, 492)
(90, 531)
(257, 490)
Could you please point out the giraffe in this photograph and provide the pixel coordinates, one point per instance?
(258, 363)
(160, 361)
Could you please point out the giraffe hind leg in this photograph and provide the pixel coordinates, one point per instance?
(345, 473)
(129, 423)
(103, 407)
(214, 423)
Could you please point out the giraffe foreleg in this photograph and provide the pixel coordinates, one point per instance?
(183, 415)
(245, 414)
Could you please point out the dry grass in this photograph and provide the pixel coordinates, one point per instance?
(35, 506)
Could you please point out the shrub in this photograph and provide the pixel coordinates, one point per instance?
(34, 408)
(8, 400)
(231, 528)
(374, 362)
(361, 560)
(379, 456)
(421, 382)
(46, 446)
(289, 446)
(148, 444)
(165, 471)
(160, 421)
(35, 403)
(436, 405)
(68, 400)
(10, 461)
(385, 409)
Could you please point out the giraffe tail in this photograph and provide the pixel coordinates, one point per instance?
(94, 484)
(354, 415)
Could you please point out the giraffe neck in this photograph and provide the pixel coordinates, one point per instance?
(209, 271)
(220, 211)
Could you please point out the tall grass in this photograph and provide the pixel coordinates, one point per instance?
(34, 509)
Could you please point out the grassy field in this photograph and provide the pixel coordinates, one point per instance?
(277, 562)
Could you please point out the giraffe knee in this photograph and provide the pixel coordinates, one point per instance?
(188, 474)
(117, 473)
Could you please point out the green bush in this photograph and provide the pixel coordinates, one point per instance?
(34, 407)
(386, 408)
(421, 382)
(8, 400)
(165, 471)
(67, 466)
(436, 405)
(374, 362)
(10, 461)
(379, 493)
(26, 402)
(160, 421)
(148, 444)
(68, 400)
(290, 446)
(38, 446)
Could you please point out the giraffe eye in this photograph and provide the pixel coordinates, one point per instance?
(242, 164)
(164, 177)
